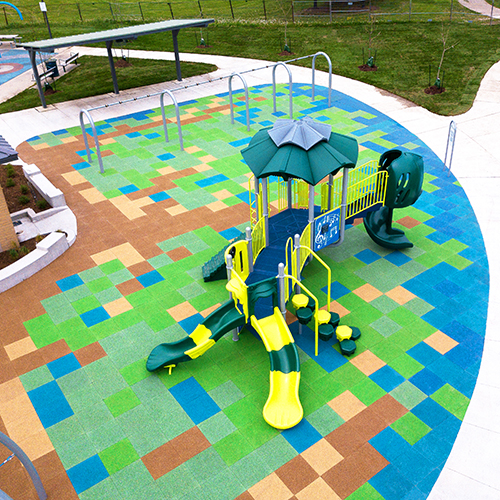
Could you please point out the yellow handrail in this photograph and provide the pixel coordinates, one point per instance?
(305, 241)
(258, 238)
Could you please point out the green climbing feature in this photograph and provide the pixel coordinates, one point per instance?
(404, 186)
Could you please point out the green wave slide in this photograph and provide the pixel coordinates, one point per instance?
(210, 330)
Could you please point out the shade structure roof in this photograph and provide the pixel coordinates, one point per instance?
(126, 33)
(265, 158)
(7, 152)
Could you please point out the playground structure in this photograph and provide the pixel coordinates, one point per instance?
(302, 154)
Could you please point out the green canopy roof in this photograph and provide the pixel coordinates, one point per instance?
(291, 161)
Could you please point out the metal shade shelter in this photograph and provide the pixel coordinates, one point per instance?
(291, 160)
(7, 152)
(109, 36)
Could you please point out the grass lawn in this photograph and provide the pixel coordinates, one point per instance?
(93, 77)
(408, 53)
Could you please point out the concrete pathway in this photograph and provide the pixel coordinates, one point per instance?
(471, 470)
(482, 7)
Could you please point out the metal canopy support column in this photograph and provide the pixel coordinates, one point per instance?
(176, 52)
(112, 66)
(37, 77)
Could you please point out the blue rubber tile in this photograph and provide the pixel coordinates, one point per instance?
(425, 292)
(161, 196)
(240, 142)
(445, 205)
(302, 436)
(415, 494)
(337, 290)
(95, 316)
(374, 147)
(425, 486)
(390, 483)
(64, 365)
(210, 181)
(268, 123)
(447, 430)
(463, 356)
(436, 318)
(430, 412)
(166, 156)
(131, 188)
(424, 354)
(456, 376)
(367, 256)
(50, 404)
(387, 378)
(390, 444)
(189, 324)
(452, 231)
(194, 400)
(279, 114)
(439, 237)
(397, 258)
(133, 135)
(70, 282)
(230, 233)
(60, 132)
(441, 220)
(150, 278)
(461, 333)
(81, 165)
(433, 447)
(413, 466)
(427, 381)
(153, 135)
(448, 288)
(87, 474)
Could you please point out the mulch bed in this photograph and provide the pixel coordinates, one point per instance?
(14, 203)
(433, 90)
(6, 259)
(365, 67)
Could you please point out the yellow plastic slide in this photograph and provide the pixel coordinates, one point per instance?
(283, 408)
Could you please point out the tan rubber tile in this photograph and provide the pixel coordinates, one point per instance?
(441, 342)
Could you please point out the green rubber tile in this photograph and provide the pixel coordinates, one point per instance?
(259, 431)
(135, 372)
(191, 291)
(369, 336)
(177, 482)
(76, 293)
(120, 276)
(384, 304)
(326, 388)
(86, 304)
(405, 365)
(233, 447)
(242, 413)
(385, 326)
(83, 398)
(410, 428)
(365, 492)
(65, 431)
(106, 435)
(91, 274)
(348, 375)
(408, 395)
(160, 261)
(386, 350)
(209, 377)
(383, 275)
(413, 268)
(276, 452)
(99, 284)
(405, 339)
(310, 370)
(402, 316)
(36, 378)
(74, 382)
(422, 329)
(104, 490)
(452, 400)
(126, 320)
(122, 401)
(458, 262)
(418, 306)
(250, 470)
(217, 427)
(108, 295)
(132, 478)
(76, 451)
(105, 377)
(206, 464)
(94, 416)
(223, 486)
(367, 391)
(111, 267)
(226, 394)
(325, 420)
(118, 456)
(58, 308)
(42, 330)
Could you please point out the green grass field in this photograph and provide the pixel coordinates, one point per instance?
(408, 53)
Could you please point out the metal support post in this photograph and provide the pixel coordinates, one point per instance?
(281, 288)
(265, 209)
(37, 77)
(257, 192)
(109, 44)
(311, 214)
(296, 247)
(248, 239)
(330, 185)
(176, 52)
(289, 192)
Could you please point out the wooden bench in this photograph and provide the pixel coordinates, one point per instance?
(72, 59)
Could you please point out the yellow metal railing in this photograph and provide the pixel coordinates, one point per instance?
(305, 241)
(366, 193)
(258, 238)
(240, 259)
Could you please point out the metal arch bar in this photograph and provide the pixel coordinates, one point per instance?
(96, 141)
(329, 76)
(27, 463)
(290, 84)
(162, 105)
(231, 98)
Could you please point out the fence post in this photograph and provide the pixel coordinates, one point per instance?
(140, 8)
(201, 12)
(112, 13)
(5, 15)
(231, 5)
(171, 11)
(293, 17)
(79, 12)
(491, 14)
(264, 5)
(409, 15)
(451, 10)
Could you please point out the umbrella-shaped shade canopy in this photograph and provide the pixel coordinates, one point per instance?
(265, 158)
(304, 132)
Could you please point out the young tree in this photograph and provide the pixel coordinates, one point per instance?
(444, 40)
